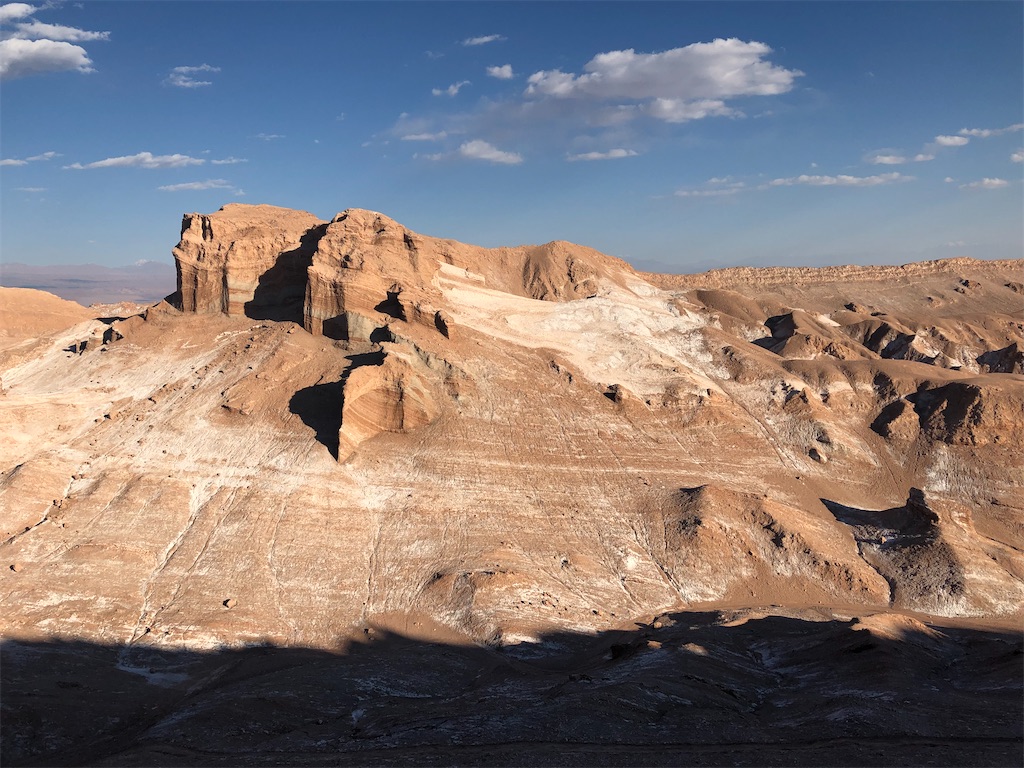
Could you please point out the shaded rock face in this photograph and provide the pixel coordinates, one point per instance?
(245, 260)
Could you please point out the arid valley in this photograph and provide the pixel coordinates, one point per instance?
(356, 495)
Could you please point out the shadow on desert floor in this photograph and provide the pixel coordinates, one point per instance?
(689, 688)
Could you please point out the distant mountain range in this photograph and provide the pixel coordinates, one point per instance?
(94, 284)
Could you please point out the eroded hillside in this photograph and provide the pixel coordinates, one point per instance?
(342, 427)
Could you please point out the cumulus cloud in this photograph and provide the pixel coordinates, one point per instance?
(984, 133)
(34, 47)
(27, 160)
(12, 11)
(922, 157)
(680, 84)
(141, 160)
(611, 154)
(840, 181)
(425, 136)
(451, 90)
(483, 40)
(951, 141)
(229, 161)
(504, 72)
(481, 150)
(198, 186)
(986, 184)
(182, 77)
(20, 58)
(1017, 157)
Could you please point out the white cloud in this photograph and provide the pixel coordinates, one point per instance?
(840, 181)
(1017, 157)
(20, 58)
(27, 160)
(482, 40)
(680, 84)
(679, 111)
(141, 160)
(31, 189)
(451, 90)
(37, 30)
(269, 136)
(955, 244)
(921, 157)
(182, 76)
(481, 150)
(425, 136)
(612, 154)
(949, 180)
(984, 133)
(951, 141)
(986, 184)
(229, 161)
(196, 186)
(886, 159)
(34, 47)
(12, 11)
(504, 72)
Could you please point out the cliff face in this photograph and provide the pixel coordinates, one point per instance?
(244, 259)
(358, 273)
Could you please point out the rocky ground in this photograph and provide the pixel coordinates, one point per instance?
(360, 496)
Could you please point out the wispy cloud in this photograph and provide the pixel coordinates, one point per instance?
(984, 133)
(951, 141)
(34, 47)
(269, 136)
(714, 187)
(451, 90)
(481, 150)
(840, 181)
(229, 161)
(482, 40)
(141, 160)
(611, 154)
(986, 184)
(31, 189)
(425, 136)
(36, 30)
(27, 160)
(182, 77)
(894, 157)
(1017, 157)
(504, 72)
(198, 186)
(677, 85)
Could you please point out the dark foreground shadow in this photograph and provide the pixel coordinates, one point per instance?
(689, 689)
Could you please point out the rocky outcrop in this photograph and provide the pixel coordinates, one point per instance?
(385, 396)
(360, 271)
(244, 259)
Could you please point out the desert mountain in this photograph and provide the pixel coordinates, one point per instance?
(335, 429)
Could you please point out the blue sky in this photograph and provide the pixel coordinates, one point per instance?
(679, 136)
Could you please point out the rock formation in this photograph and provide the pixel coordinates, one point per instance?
(351, 431)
